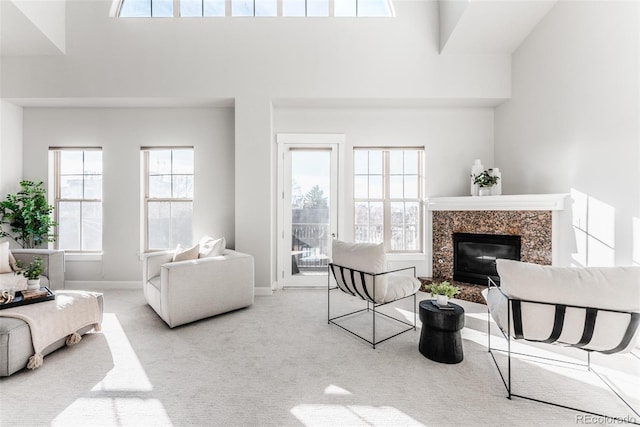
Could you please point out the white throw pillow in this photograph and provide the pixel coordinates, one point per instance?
(5, 266)
(186, 254)
(210, 247)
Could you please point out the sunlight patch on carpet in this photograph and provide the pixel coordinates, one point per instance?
(113, 412)
(336, 391)
(315, 415)
(127, 373)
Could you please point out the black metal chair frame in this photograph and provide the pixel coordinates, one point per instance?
(372, 305)
(514, 311)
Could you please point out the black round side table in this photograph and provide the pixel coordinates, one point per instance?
(440, 338)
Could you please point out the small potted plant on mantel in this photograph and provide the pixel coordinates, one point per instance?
(32, 272)
(485, 181)
(443, 291)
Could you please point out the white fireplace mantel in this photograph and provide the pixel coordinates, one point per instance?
(515, 202)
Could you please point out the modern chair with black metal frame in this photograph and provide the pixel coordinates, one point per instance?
(562, 314)
(378, 288)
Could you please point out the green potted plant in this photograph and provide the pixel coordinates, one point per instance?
(27, 216)
(443, 291)
(485, 180)
(32, 272)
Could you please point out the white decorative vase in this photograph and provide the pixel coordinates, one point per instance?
(33, 284)
(442, 300)
(476, 169)
(484, 191)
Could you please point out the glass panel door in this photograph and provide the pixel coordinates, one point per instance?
(310, 211)
(308, 175)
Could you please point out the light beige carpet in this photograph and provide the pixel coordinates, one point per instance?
(278, 363)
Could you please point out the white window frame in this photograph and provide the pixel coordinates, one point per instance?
(56, 152)
(117, 7)
(144, 151)
(386, 199)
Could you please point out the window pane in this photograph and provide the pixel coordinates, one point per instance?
(376, 213)
(182, 162)
(71, 162)
(91, 226)
(375, 234)
(93, 162)
(411, 187)
(395, 186)
(411, 162)
(395, 162)
(266, 7)
(93, 187)
(182, 186)
(362, 213)
(375, 162)
(242, 7)
(214, 8)
(160, 187)
(397, 238)
(375, 187)
(361, 187)
(373, 8)
(158, 224)
(345, 8)
(317, 7)
(293, 8)
(69, 225)
(397, 213)
(362, 234)
(360, 162)
(136, 8)
(159, 162)
(411, 213)
(71, 187)
(162, 8)
(191, 8)
(181, 231)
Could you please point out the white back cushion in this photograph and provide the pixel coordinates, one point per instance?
(366, 257)
(613, 288)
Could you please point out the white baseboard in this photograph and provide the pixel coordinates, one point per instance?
(87, 285)
(101, 285)
(262, 291)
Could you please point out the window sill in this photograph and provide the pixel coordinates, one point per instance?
(83, 257)
(407, 256)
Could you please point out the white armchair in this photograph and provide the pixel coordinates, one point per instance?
(186, 291)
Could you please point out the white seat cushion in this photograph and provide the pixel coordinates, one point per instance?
(400, 286)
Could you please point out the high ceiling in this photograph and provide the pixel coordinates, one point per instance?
(36, 27)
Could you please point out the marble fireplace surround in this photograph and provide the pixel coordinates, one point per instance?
(532, 216)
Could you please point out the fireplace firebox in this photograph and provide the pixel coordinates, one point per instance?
(474, 255)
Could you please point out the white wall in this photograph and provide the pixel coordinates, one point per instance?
(572, 124)
(10, 148)
(121, 132)
(253, 62)
(452, 138)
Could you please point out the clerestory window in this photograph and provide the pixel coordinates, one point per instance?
(207, 8)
